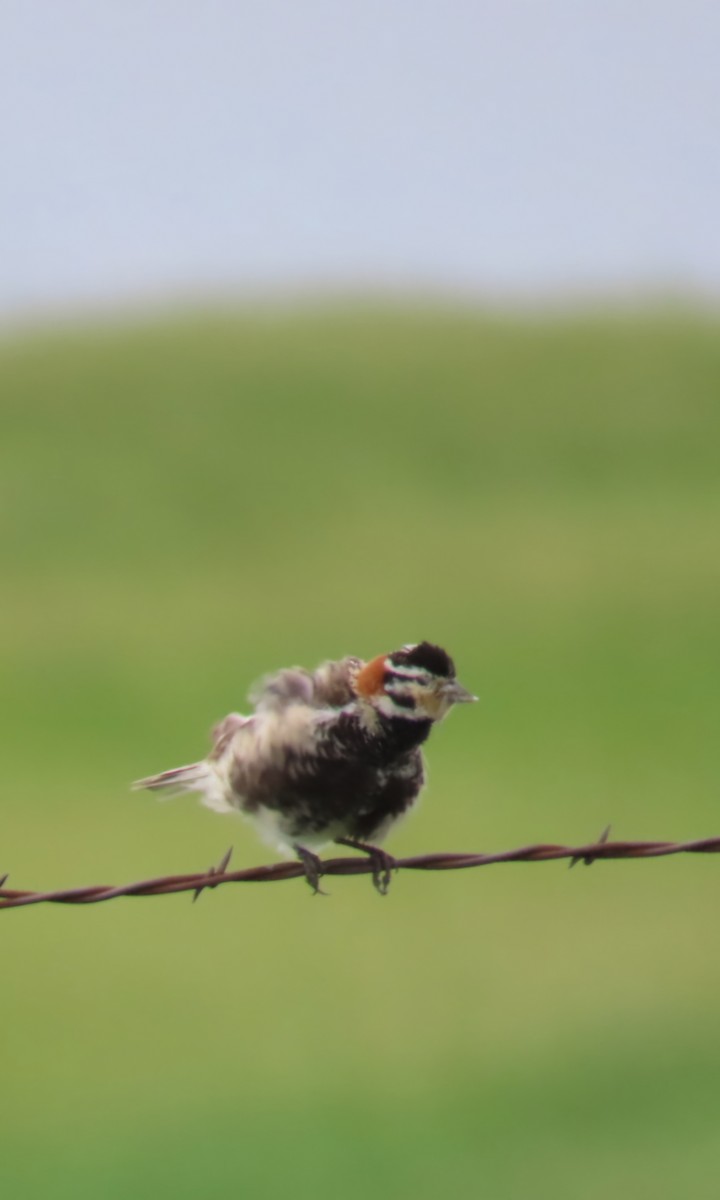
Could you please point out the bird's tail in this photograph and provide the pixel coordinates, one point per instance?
(197, 777)
(176, 781)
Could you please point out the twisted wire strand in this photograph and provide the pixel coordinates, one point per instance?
(215, 876)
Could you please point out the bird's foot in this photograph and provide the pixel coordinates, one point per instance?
(313, 868)
(383, 864)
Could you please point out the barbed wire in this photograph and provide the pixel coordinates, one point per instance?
(215, 876)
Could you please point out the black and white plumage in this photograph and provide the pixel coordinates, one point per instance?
(331, 755)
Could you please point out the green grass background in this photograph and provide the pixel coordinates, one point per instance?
(189, 503)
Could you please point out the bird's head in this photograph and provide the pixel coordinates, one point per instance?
(415, 683)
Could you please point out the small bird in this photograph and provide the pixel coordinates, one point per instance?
(331, 755)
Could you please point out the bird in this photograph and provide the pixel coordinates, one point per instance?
(327, 756)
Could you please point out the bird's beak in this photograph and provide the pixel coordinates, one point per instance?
(457, 694)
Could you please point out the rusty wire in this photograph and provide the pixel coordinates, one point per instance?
(215, 876)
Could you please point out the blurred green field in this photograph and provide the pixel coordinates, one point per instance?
(190, 503)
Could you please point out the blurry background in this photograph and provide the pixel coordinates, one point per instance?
(222, 477)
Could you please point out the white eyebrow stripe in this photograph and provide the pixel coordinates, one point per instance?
(388, 709)
(418, 673)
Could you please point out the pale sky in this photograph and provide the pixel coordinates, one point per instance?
(497, 147)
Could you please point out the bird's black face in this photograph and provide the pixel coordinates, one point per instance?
(416, 683)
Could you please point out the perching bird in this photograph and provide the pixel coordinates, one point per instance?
(331, 755)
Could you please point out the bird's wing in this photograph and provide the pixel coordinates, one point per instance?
(223, 733)
(272, 693)
(330, 686)
(334, 682)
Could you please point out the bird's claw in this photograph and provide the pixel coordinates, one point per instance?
(382, 863)
(312, 866)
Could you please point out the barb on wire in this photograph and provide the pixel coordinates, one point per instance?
(215, 876)
(588, 859)
(218, 870)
